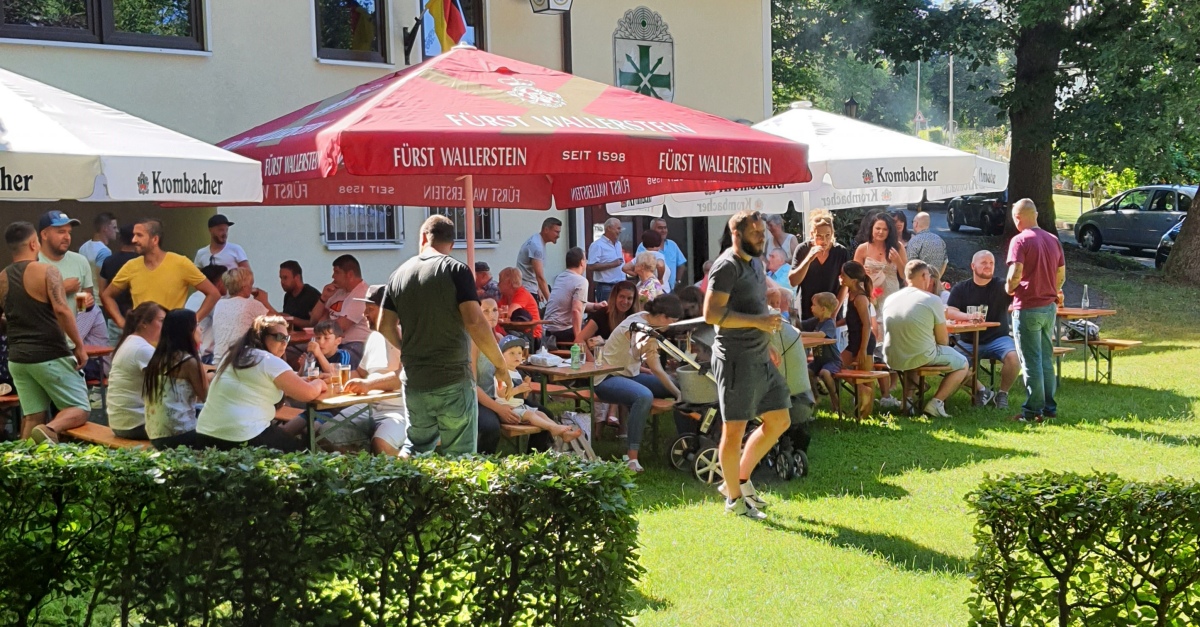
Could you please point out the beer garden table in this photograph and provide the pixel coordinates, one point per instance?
(973, 328)
(341, 401)
(1079, 313)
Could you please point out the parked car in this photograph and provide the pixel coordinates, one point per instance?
(986, 212)
(1135, 219)
(1165, 245)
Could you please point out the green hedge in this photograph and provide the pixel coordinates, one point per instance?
(252, 538)
(1067, 549)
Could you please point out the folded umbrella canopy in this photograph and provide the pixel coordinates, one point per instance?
(854, 164)
(57, 146)
(530, 138)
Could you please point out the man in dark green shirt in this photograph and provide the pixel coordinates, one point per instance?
(431, 313)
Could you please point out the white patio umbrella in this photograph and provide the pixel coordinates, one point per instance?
(55, 145)
(854, 164)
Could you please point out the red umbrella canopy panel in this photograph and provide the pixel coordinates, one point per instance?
(530, 137)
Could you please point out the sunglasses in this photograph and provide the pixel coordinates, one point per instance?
(279, 337)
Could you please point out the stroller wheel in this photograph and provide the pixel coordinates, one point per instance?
(683, 451)
(783, 464)
(801, 462)
(708, 466)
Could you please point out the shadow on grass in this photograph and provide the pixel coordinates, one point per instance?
(846, 459)
(640, 603)
(897, 550)
(1157, 438)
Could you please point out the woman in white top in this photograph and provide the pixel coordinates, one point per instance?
(174, 382)
(251, 380)
(629, 349)
(233, 315)
(126, 412)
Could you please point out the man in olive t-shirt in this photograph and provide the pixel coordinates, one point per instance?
(432, 300)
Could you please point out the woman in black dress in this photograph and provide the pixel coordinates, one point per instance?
(817, 263)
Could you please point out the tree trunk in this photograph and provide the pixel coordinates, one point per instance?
(1184, 263)
(1031, 111)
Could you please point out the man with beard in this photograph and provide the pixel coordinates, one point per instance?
(748, 385)
(983, 288)
(157, 276)
(220, 251)
(54, 232)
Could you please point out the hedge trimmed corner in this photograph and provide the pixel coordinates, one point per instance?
(249, 537)
(1067, 549)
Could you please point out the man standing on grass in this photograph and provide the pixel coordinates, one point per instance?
(40, 323)
(431, 313)
(748, 385)
(220, 251)
(1036, 272)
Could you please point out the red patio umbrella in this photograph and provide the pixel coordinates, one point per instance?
(471, 128)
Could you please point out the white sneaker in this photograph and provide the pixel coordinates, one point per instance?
(632, 464)
(748, 493)
(741, 507)
(889, 402)
(936, 408)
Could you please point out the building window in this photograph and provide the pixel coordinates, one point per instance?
(487, 224)
(472, 14)
(352, 30)
(142, 23)
(363, 226)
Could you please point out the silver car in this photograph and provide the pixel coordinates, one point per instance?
(1136, 219)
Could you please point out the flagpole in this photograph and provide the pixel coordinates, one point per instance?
(469, 190)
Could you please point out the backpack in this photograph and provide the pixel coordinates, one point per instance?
(1077, 329)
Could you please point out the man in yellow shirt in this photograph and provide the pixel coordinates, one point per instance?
(157, 276)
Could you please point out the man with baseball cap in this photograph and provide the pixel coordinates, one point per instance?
(484, 284)
(378, 370)
(220, 251)
(54, 234)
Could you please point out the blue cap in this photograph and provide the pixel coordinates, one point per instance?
(55, 218)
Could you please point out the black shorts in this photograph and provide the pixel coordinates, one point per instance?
(748, 385)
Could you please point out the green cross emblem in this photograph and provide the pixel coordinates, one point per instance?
(643, 79)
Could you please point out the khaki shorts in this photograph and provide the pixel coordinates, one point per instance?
(55, 381)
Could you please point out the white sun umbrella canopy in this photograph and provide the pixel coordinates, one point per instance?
(854, 164)
(55, 145)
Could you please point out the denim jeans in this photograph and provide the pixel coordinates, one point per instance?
(1034, 330)
(637, 393)
(449, 413)
(603, 290)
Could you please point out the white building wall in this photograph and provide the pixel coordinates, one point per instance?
(261, 63)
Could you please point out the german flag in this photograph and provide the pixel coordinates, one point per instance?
(448, 22)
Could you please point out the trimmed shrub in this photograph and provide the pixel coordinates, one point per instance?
(1068, 549)
(250, 537)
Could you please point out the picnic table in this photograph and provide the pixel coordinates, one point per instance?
(961, 327)
(338, 402)
(522, 326)
(564, 375)
(97, 351)
(1079, 313)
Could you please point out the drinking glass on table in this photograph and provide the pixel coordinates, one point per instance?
(343, 375)
(983, 309)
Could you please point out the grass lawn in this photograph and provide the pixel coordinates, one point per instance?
(1067, 208)
(879, 533)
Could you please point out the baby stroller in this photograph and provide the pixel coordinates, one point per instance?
(697, 421)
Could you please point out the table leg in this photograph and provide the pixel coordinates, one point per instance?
(1085, 357)
(975, 369)
(310, 414)
(545, 394)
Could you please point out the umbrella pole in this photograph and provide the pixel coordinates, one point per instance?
(469, 191)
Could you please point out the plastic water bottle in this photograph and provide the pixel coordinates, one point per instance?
(576, 357)
(1083, 302)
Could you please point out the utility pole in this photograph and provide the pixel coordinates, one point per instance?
(916, 127)
(950, 125)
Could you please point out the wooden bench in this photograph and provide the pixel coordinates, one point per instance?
(849, 380)
(286, 413)
(658, 407)
(93, 433)
(519, 434)
(1103, 349)
(922, 385)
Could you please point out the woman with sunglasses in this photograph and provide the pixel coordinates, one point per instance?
(251, 380)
